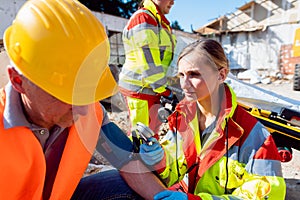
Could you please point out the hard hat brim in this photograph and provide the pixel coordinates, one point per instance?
(105, 88)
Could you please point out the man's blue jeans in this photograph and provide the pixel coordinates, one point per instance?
(104, 185)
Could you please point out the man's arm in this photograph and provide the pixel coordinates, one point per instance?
(117, 148)
(141, 179)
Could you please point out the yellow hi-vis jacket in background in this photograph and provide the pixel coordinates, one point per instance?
(250, 169)
(149, 47)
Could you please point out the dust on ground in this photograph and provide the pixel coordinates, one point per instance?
(290, 170)
(4, 61)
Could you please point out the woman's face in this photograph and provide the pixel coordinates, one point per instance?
(198, 79)
(164, 5)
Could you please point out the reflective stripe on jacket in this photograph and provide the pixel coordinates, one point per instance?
(23, 165)
(149, 46)
(251, 168)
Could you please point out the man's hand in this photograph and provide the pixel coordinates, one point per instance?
(169, 195)
(151, 152)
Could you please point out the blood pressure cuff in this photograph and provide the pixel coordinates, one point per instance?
(114, 145)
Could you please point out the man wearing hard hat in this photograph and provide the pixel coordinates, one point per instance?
(51, 120)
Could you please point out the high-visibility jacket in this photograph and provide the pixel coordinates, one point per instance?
(23, 165)
(149, 47)
(250, 169)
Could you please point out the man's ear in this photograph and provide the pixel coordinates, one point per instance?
(15, 79)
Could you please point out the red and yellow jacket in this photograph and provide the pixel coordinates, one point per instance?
(23, 165)
(149, 48)
(250, 169)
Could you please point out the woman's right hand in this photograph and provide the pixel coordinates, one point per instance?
(151, 152)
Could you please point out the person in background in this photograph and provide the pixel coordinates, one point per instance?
(149, 47)
(214, 149)
(51, 120)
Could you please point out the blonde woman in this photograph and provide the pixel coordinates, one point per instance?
(226, 152)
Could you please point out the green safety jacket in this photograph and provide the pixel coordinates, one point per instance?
(250, 169)
(149, 47)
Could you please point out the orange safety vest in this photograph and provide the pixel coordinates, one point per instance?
(23, 165)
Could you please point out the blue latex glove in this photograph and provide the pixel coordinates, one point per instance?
(151, 154)
(168, 94)
(169, 195)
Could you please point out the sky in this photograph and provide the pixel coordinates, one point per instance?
(200, 12)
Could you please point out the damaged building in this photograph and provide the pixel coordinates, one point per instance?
(259, 35)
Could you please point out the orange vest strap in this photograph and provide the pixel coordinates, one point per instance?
(23, 165)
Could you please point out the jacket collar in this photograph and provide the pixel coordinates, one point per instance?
(154, 9)
(228, 106)
(13, 112)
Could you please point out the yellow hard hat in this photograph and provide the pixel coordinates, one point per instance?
(61, 47)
